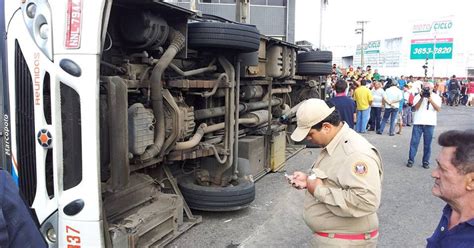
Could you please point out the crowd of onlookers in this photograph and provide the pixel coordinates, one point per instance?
(359, 98)
(368, 101)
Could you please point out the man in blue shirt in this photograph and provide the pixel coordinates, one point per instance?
(344, 105)
(454, 184)
(453, 88)
(402, 82)
(17, 228)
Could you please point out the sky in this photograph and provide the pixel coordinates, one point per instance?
(386, 18)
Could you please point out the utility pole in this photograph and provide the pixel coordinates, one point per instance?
(361, 31)
(242, 10)
(321, 12)
(434, 59)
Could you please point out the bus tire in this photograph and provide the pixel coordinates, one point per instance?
(217, 198)
(214, 35)
(314, 56)
(314, 68)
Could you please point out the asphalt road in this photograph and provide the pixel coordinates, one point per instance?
(408, 213)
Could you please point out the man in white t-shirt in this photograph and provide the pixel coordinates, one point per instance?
(376, 107)
(391, 98)
(426, 106)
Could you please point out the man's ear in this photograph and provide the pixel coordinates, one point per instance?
(470, 181)
(326, 127)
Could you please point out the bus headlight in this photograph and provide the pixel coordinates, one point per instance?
(48, 230)
(31, 10)
(37, 17)
(51, 235)
(44, 31)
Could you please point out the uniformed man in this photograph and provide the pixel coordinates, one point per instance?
(344, 185)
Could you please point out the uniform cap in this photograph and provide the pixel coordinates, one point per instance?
(310, 113)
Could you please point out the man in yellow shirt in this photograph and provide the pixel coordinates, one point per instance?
(350, 73)
(369, 73)
(363, 98)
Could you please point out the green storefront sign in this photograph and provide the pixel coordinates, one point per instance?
(425, 50)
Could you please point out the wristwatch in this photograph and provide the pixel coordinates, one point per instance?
(312, 177)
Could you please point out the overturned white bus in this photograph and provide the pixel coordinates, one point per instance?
(118, 115)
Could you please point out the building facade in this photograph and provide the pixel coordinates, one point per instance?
(437, 47)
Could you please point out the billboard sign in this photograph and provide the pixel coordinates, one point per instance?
(380, 53)
(370, 48)
(432, 40)
(426, 48)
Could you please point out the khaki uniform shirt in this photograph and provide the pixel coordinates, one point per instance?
(351, 170)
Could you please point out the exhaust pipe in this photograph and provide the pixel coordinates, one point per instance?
(177, 43)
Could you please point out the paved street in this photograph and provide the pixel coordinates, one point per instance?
(408, 213)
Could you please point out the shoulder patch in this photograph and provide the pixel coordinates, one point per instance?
(360, 168)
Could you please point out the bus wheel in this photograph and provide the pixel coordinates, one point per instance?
(215, 35)
(217, 198)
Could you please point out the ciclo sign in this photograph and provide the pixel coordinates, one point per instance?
(443, 25)
(435, 26)
(370, 47)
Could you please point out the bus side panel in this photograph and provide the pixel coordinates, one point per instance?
(5, 159)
